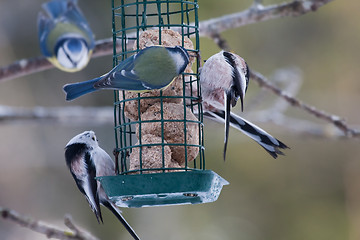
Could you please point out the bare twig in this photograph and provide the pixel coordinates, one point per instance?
(29, 66)
(68, 221)
(292, 79)
(220, 41)
(208, 28)
(258, 14)
(335, 120)
(24, 67)
(46, 229)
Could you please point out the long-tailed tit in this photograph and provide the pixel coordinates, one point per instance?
(86, 160)
(224, 79)
(213, 103)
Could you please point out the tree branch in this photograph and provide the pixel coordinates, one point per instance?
(48, 231)
(258, 13)
(220, 41)
(207, 28)
(68, 221)
(29, 66)
(335, 120)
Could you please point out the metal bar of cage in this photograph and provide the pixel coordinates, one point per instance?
(139, 16)
(165, 22)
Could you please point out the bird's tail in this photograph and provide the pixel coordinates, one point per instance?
(75, 90)
(56, 8)
(268, 142)
(117, 213)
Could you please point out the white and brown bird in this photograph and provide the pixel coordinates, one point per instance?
(224, 79)
(86, 160)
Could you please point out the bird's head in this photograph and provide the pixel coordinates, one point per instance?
(72, 54)
(180, 57)
(88, 138)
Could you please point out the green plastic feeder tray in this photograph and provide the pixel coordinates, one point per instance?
(189, 183)
(160, 189)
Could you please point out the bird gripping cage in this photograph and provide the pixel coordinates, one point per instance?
(159, 134)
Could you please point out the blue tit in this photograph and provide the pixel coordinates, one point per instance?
(65, 37)
(264, 139)
(86, 160)
(152, 68)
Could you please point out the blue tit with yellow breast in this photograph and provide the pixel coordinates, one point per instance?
(152, 68)
(65, 37)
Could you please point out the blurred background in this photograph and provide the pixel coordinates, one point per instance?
(311, 193)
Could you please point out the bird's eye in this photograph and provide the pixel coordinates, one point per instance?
(93, 138)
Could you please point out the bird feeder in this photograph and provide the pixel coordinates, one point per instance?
(159, 134)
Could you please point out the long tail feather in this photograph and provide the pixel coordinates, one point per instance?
(95, 207)
(268, 142)
(56, 8)
(75, 90)
(117, 213)
(227, 120)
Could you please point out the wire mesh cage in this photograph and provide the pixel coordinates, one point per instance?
(159, 134)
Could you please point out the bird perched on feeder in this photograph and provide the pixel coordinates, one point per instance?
(153, 67)
(264, 139)
(86, 160)
(224, 79)
(65, 37)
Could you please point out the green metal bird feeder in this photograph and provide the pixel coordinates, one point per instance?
(159, 134)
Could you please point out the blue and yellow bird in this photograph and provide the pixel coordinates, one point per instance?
(152, 68)
(65, 37)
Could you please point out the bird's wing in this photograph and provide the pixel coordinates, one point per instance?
(121, 77)
(90, 187)
(238, 82)
(84, 172)
(56, 8)
(143, 71)
(105, 166)
(268, 142)
(44, 27)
